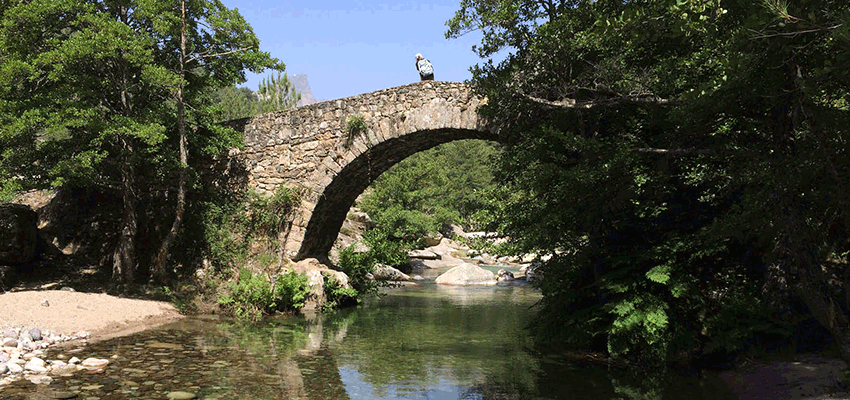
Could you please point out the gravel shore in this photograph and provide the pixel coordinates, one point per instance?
(32, 321)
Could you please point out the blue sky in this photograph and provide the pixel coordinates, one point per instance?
(352, 47)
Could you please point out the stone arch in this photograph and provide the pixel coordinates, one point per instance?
(330, 211)
(309, 148)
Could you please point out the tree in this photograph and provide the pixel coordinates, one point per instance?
(235, 102)
(273, 94)
(91, 90)
(677, 160)
(277, 93)
(443, 185)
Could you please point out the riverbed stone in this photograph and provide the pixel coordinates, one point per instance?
(63, 369)
(467, 274)
(36, 365)
(94, 363)
(63, 395)
(39, 379)
(180, 395)
(35, 334)
(14, 367)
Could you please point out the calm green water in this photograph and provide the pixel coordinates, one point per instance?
(416, 342)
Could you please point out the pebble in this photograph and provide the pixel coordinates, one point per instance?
(180, 395)
(92, 362)
(36, 365)
(40, 379)
(14, 368)
(63, 395)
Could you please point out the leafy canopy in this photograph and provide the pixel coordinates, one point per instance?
(678, 160)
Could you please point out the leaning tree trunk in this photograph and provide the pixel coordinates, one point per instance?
(162, 256)
(124, 256)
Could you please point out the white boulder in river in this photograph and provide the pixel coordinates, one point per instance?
(467, 274)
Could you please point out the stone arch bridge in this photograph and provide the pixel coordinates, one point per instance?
(310, 148)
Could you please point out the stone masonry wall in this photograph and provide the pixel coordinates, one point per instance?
(308, 147)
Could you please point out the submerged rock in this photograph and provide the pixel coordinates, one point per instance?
(467, 274)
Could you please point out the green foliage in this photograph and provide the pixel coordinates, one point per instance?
(267, 214)
(382, 250)
(291, 290)
(354, 125)
(273, 94)
(337, 296)
(249, 296)
(276, 93)
(451, 183)
(90, 92)
(224, 233)
(231, 224)
(669, 156)
(235, 102)
(252, 296)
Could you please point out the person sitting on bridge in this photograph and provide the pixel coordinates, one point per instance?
(426, 70)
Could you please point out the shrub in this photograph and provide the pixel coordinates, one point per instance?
(337, 296)
(291, 289)
(269, 213)
(382, 250)
(355, 125)
(252, 296)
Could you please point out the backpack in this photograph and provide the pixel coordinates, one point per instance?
(425, 67)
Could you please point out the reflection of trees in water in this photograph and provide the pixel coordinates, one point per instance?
(454, 334)
(296, 350)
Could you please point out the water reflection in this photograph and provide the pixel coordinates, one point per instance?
(421, 342)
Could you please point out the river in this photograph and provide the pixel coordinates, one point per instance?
(415, 342)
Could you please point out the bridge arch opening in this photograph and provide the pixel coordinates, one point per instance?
(340, 194)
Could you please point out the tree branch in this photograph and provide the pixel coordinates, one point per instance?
(576, 104)
(201, 56)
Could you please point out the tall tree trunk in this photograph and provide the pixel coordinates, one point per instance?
(124, 256)
(162, 256)
(806, 278)
(813, 290)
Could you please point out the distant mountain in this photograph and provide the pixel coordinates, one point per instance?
(303, 87)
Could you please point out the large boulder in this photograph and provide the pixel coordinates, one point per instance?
(467, 274)
(18, 233)
(386, 273)
(423, 254)
(317, 274)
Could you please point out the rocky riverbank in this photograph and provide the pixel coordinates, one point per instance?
(22, 351)
(33, 321)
